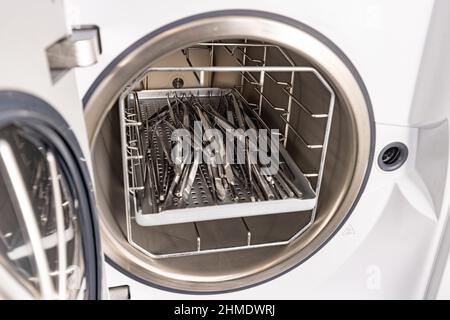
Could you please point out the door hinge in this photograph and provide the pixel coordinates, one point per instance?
(119, 293)
(80, 49)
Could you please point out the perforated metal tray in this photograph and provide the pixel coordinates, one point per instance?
(201, 205)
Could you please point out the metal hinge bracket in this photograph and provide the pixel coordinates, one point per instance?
(80, 49)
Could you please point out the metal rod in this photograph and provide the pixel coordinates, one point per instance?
(311, 175)
(261, 81)
(59, 215)
(249, 234)
(244, 62)
(289, 106)
(235, 44)
(209, 251)
(199, 239)
(233, 69)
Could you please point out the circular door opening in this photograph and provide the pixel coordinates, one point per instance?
(304, 88)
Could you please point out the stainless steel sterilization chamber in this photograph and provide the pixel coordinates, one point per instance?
(196, 227)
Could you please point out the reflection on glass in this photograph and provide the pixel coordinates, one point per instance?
(40, 177)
